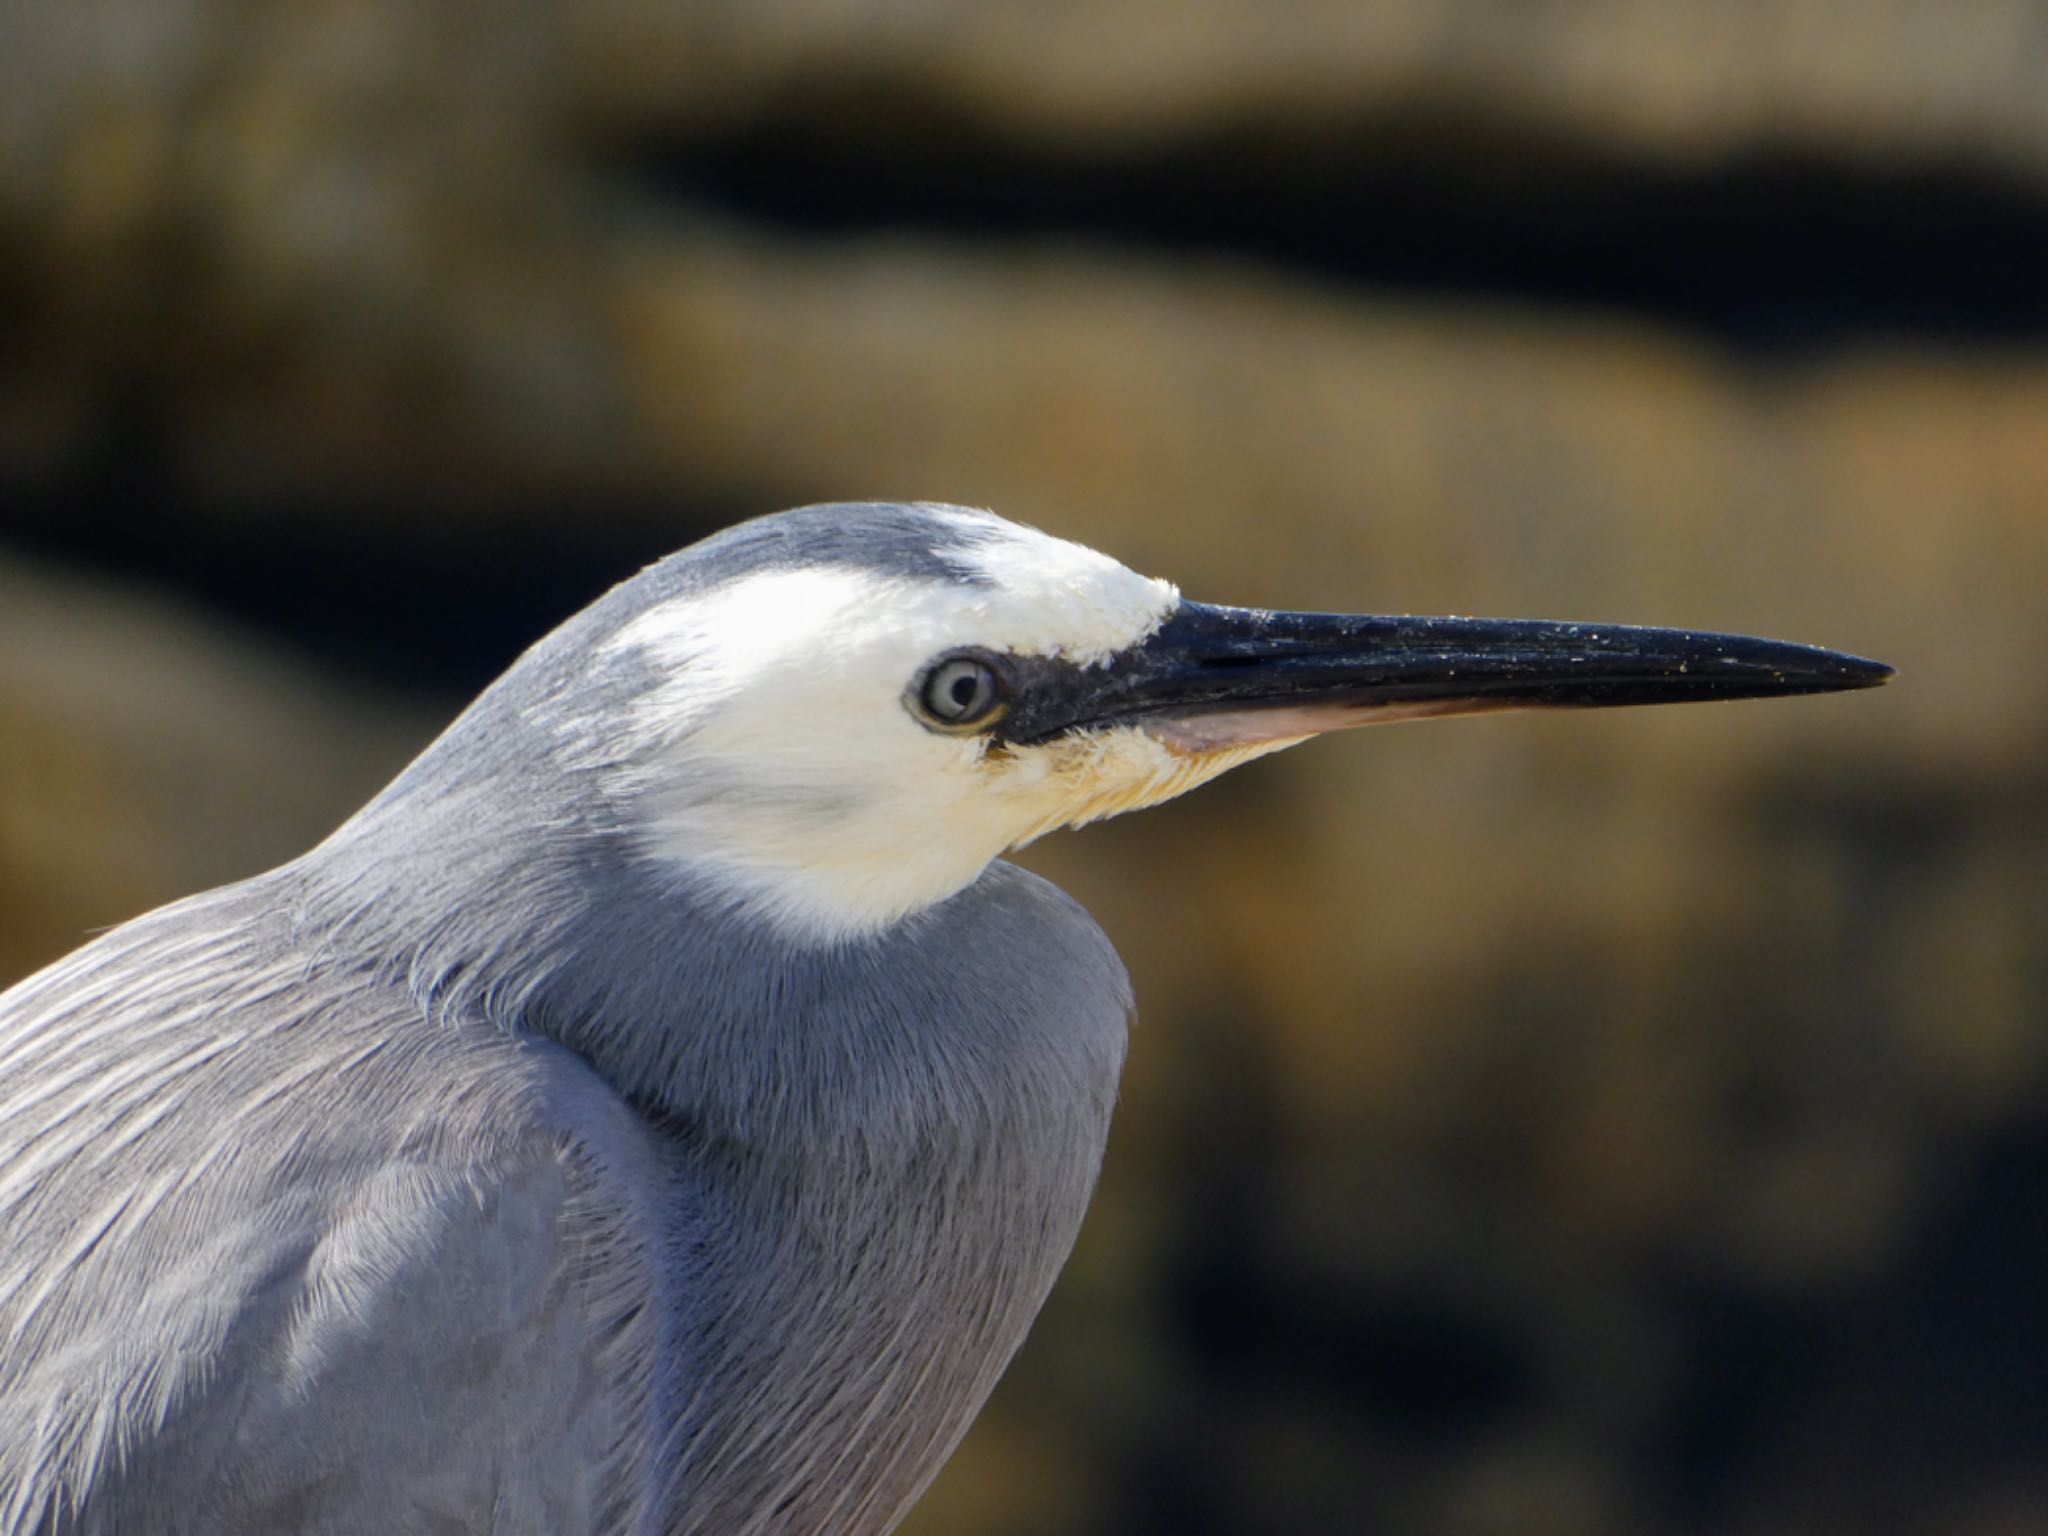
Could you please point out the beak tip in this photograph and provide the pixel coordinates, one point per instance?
(1862, 672)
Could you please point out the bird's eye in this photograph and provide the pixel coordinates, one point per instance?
(962, 693)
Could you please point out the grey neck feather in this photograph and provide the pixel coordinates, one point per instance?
(882, 1150)
(504, 867)
(502, 873)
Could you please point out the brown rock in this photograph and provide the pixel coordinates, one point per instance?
(147, 752)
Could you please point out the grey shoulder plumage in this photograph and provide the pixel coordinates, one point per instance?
(249, 1206)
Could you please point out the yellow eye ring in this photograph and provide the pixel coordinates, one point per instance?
(962, 692)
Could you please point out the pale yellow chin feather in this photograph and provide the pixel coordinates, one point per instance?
(1093, 775)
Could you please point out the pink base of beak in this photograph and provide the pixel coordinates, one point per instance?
(1197, 735)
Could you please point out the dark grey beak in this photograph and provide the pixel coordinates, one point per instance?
(1214, 677)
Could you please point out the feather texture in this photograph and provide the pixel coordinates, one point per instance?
(477, 1173)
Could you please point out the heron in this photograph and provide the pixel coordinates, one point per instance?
(662, 1108)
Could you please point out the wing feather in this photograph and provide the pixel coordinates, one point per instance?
(287, 1258)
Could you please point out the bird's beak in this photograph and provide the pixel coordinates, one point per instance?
(1212, 678)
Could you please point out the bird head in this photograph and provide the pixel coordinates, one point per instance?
(849, 711)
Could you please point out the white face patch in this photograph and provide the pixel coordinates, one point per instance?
(780, 763)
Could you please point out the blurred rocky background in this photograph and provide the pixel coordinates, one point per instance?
(1624, 1124)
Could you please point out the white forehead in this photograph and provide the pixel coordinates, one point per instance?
(1036, 595)
(1061, 598)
